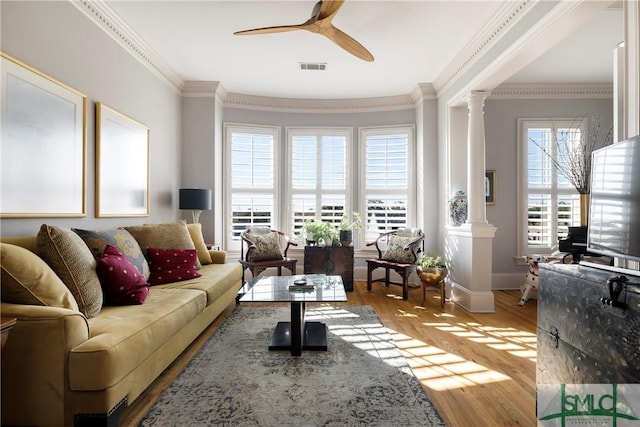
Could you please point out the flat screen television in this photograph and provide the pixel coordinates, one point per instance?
(614, 214)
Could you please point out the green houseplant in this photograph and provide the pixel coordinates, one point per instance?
(318, 231)
(432, 268)
(346, 227)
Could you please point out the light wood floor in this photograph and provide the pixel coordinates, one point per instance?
(479, 369)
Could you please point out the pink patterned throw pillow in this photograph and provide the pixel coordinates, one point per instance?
(121, 281)
(172, 265)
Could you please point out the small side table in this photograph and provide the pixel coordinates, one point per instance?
(6, 323)
(330, 260)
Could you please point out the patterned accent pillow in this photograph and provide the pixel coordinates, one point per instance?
(172, 235)
(121, 281)
(119, 238)
(73, 262)
(172, 265)
(395, 251)
(267, 247)
(27, 279)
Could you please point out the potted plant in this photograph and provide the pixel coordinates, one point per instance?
(432, 268)
(318, 232)
(346, 227)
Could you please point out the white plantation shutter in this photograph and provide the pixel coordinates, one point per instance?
(551, 203)
(386, 179)
(318, 179)
(251, 187)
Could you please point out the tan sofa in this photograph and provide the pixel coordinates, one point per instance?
(60, 367)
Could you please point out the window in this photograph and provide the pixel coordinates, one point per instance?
(386, 185)
(549, 202)
(251, 165)
(318, 178)
(324, 175)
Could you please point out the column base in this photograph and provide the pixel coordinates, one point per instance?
(473, 301)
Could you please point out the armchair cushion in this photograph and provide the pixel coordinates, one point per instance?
(395, 250)
(27, 279)
(73, 262)
(267, 247)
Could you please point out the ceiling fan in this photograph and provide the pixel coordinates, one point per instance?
(320, 23)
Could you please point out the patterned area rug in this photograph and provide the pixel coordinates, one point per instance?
(235, 380)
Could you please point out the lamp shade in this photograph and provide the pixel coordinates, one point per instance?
(195, 199)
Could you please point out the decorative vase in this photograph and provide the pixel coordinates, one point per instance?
(346, 237)
(584, 209)
(458, 208)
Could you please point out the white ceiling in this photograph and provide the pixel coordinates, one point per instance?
(412, 42)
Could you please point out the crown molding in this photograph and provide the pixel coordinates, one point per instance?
(198, 89)
(553, 91)
(423, 91)
(290, 105)
(503, 21)
(102, 15)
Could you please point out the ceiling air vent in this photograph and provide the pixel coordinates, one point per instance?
(319, 66)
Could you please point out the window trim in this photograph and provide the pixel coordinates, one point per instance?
(318, 131)
(522, 200)
(228, 129)
(363, 133)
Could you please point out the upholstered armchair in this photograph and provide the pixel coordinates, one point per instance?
(398, 251)
(263, 248)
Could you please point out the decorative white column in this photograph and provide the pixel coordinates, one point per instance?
(470, 245)
(477, 212)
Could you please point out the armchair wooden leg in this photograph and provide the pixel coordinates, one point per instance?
(405, 287)
(369, 270)
(387, 276)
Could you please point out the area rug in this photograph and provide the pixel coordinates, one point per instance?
(362, 379)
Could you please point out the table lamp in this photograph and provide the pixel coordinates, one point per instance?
(196, 199)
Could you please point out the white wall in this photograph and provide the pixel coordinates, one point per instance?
(501, 118)
(57, 39)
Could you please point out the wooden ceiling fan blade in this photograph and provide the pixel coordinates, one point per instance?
(347, 42)
(328, 8)
(269, 30)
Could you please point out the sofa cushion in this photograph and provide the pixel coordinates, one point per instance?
(267, 247)
(121, 281)
(118, 238)
(27, 279)
(123, 337)
(215, 280)
(173, 235)
(72, 261)
(195, 230)
(172, 265)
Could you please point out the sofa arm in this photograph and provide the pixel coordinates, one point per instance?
(35, 372)
(218, 257)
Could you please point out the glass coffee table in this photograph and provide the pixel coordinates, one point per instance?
(296, 335)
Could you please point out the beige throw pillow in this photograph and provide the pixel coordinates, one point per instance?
(195, 230)
(73, 262)
(27, 279)
(172, 235)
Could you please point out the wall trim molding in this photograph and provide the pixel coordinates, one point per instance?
(553, 91)
(291, 105)
(102, 15)
(201, 89)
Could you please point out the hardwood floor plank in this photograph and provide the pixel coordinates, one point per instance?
(478, 368)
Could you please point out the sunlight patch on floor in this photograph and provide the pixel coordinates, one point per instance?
(440, 370)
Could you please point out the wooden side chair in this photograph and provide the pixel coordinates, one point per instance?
(265, 248)
(398, 251)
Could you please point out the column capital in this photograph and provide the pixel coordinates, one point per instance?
(476, 98)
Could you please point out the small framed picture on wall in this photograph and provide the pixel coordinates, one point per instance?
(490, 186)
